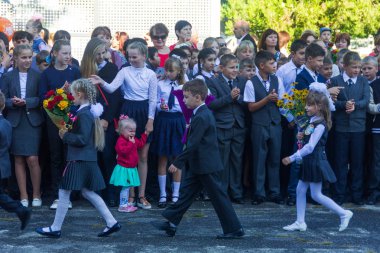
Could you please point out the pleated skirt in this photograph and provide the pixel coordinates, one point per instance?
(82, 174)
(127, 177)
(138, 111)
(315, 168)
(169, 128)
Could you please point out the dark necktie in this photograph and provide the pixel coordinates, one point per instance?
(171, 96)
(230, 84)
(350, 82)
(266, 85)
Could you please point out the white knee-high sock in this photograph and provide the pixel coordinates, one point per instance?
(62, 207)
(176, 186)
(316, 194)
(99, 204)
(162, 184)
(124, 195)
(301, 200)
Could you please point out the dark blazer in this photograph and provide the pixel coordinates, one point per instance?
(249, 37)
(356, 120)
(111, 102)
(5, 144)
(227, 111)
(11, 88)
(80, 140)
(201, 152)
(304, 79)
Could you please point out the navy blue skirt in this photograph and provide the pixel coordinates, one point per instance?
(315, 167)
(169, 128)
(138, 111)
(82, 174)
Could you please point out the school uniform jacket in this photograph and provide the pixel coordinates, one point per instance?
(81, 138)
(11, 88)
(201, 153)
(226, 111)
(5, 143)
(304, 79)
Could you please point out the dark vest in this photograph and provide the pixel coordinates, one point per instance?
(375, 85)
(269, 113)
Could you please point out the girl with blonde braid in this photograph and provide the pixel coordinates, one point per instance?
(82, 172)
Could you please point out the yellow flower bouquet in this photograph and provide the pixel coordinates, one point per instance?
(57, 106)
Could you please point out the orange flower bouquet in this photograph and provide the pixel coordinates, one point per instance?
(57, 106)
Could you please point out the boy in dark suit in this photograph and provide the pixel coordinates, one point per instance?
(261, 94)
(202, 164)
(6, 202)
(314, 60)
(229, 112)
(350, 126)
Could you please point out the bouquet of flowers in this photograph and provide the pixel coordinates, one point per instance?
(57, 106)
(295, 105)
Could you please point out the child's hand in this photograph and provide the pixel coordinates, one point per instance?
(334, 92)
(66, 87)
(273, 96)
(286, 161)
(164, 107)
(96, 80)
(62, 132)
(350, 106)
(132, 139)
(300, 135)
(173, 169)
(235, 93)
(149, 126)
(18, 101)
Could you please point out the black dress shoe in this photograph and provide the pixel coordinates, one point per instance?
(291, 201)
(239, 201)
(257, 200)
(51, 233)
(277, 199)
(165, 226)
(24, 215)
(162, 204)
(358, 202)
(110, 230)
(233, 235)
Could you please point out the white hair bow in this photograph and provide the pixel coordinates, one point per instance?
(321, 87)
(96, 110)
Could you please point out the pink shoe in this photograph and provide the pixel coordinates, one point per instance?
(127, 209)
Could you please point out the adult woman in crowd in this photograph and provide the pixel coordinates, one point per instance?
(159, 33)
(183, 32)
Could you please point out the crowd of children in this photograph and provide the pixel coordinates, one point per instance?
(144, 122)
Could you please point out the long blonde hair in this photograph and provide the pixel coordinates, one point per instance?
(88, 64)
(320, 100)
(88, 89)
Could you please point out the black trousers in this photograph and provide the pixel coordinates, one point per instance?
(374, 181)
(7, 203)
(190, 187)
(231, 147)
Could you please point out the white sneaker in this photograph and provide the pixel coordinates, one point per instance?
(55, 205)
(25, 202)
(345, 220)
(36, 202)
(296, 226)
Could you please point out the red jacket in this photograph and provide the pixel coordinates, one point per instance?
(126, 150)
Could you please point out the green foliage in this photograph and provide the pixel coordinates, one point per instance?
(359, 18)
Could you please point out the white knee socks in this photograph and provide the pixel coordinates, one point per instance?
(60, 213)
(162, 184)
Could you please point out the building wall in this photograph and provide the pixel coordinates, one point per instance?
(79, 17)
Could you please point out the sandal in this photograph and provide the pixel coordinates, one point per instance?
(132, 201)
(143, 203)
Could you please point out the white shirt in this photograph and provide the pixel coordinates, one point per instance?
(249, 91)
(312, 73)
(241, 39)
(163, 92)
(314, 138)
(23, 77)
(335, 70)
(196, 109)
(137, 84)
(204, 73)
(288, 73)
(82, 106)
(346, 78)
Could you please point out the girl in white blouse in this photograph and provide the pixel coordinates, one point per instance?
(315, 166)
(139, 90)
